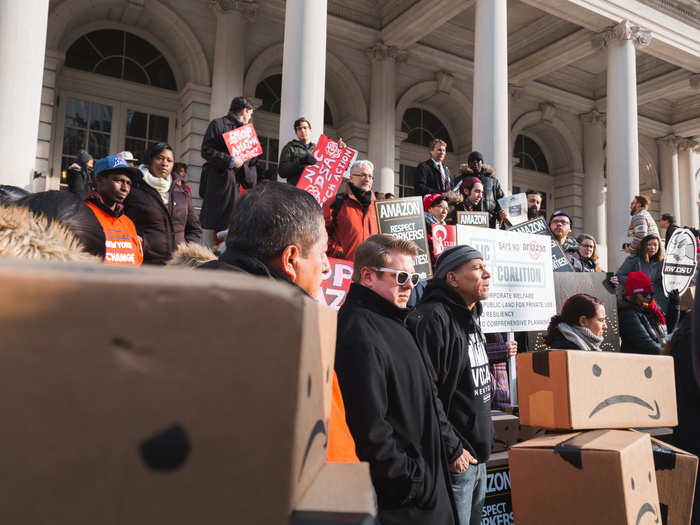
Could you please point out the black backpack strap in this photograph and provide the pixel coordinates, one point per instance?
(335, 208)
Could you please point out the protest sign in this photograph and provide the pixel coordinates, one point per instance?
(679, 264)
(336, 283)
(515, 207)
(444, 236)
(323, 179)
(243, 143)
(596, 284)
(404, 218)
(473, 218)
(497, 505)
(538, 226)
(521, 296)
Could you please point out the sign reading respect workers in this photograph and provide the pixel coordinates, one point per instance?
(521, 292)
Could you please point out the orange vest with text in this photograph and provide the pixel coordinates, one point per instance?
(121, 240)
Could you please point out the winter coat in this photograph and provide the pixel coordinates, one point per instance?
(569, 246)
(25, 235)
(498, 355)
(81, 179)
(451, 334)
(639, 330)
(582, 264)
(687, 386)
(122, 245)
(191, 255)
(219, 183)
(341, 447)
(559, 342)
(349, 225)
(635, 263)
(162, 227)
(429, 178)
(492, 190)
(669, 232)
(641, 225)
(291, 163)
(392, 410)
(462, 205)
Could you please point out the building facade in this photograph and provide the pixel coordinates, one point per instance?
(587, 101)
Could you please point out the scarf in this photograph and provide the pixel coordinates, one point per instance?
(162, 186)
(651, 307)
(364, 197)
(580, 336)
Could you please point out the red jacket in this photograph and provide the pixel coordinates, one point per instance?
(350, 227)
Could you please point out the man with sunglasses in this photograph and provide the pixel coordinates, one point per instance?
(447, 327)
(390, 404)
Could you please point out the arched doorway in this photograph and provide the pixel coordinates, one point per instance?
(531, 173)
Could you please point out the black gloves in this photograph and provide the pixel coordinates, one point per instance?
(674, 297)
(308, 160)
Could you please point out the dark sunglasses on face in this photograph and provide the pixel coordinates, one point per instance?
(401, 276)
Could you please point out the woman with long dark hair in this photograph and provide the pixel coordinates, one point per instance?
(579, 326)
(649, 259)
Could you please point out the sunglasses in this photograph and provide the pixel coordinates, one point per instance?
(401, 276)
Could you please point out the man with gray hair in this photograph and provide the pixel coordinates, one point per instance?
(350, 217)
(446, 326)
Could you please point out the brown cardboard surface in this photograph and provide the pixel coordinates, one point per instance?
(603, 477)
(568, 389)
(341, 488)
(506, 428)
(676, 472)
(158, 396)
(687, 298)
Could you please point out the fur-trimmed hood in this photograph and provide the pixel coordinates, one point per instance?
(191, 255)
(27, 236)
(467, 171)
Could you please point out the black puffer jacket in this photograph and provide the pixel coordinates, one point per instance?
(392, 410)
(81, 180)
(162, 227)
(492, 189)
(639, 330)
(219, 184)
(451, 335)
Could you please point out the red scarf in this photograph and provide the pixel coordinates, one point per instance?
(655, 310)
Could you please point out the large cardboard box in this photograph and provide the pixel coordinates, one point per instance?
(676, 473)
(604, 477)
(573, 389)
(159, 396)
(505, 430)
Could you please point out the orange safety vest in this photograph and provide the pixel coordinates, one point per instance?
(341, 445)
(122, 244)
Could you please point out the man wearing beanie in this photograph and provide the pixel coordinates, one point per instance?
(560, 224)
(475, 167)
(643, 327)
(446, 326)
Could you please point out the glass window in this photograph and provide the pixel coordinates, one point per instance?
(530, 155)
(268, 160)
(270, 92)
(143, 130)
(406, 186)
(122, 55)
(423, 127)
(88, 126)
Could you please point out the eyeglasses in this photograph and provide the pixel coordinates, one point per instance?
(565, 222)
(587, 246)
(401, 276)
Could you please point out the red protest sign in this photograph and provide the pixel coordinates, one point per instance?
(243, 143)
(323, 179)
(336, 283)
(444, 236)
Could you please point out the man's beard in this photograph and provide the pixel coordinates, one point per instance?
(533, 212)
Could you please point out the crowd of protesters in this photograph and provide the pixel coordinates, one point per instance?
(412, 387)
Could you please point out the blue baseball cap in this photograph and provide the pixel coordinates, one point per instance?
(114, 164)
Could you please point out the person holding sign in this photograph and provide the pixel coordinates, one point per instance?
(350, 217)
(471, 191)
(297, 153)
(223, 173)
(446, 325)
(475, 167)
(560, 225)
(649, 259)
(436, 208)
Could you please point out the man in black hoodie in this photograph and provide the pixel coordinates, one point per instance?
(446, 325)
(390, 404)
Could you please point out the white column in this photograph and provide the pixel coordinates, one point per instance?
(229, 54)
(382, 124)
(490, 106)
(22, 48)
(687, 167)
(670, 188)
(594, 182)
(303, 65)
(622, 132)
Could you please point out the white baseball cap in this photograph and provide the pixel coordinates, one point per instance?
(127, 155)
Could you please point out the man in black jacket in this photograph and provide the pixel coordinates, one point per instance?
(222, 173)
(668, 223)
(475, 167)
(390, 405)
(446, 325)
(81, 175)
(432, 175)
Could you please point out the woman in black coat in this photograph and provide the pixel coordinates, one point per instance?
(580, 326)
(161, 209)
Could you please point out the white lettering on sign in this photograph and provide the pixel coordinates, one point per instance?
(399, 209)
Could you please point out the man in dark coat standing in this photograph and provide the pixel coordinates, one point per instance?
(390, 402)
(81, 175)
(222, 173)
(447, 327)
(475, 167)
(432, 176)
(297, 153)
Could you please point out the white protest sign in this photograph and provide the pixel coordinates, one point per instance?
(515, 207)
(521, 296)
(680, 263)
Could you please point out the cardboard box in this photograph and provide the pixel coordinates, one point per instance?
(604, 477)
(505, 427)
(524, 432)
(574, 389)
(676, 473)
(341, 493)
(148, 395)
